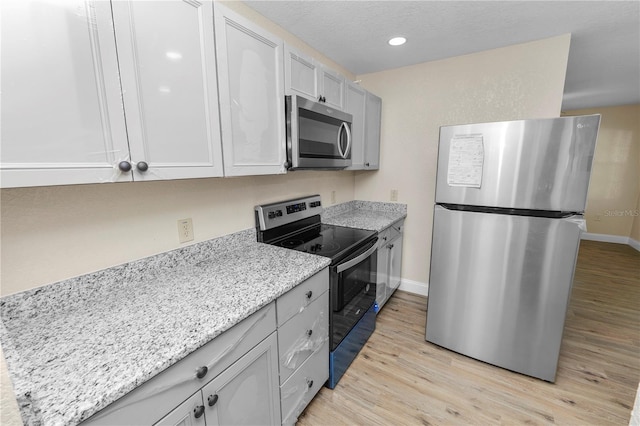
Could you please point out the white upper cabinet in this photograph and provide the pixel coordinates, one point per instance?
(373, 119)
(62, 118)
(355, 105)
(304, 76)
(251, 83)
(301, 74)
(366, 109)
(166, 52)
(332, 87)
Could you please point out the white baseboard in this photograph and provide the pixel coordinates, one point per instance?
(606, 238)
(415, 287)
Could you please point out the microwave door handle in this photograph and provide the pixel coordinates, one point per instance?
(344, 266)
(342, 154)
(346, 152)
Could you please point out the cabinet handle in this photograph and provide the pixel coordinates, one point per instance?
(198, 411)
(124, 166)
(286, 164)
(384, 238)
(142, 166)
(309, 294)
(309, 333)
(366, 164)
(309, 383)
(212, 399)
(201, 372)
(390, 246)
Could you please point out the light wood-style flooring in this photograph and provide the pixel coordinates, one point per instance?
(400, 379)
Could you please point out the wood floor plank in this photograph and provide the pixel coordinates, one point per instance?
(400, 379)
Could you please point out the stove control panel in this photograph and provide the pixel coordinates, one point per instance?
(272, 215)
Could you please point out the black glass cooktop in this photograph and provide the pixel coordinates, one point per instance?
(330, 241)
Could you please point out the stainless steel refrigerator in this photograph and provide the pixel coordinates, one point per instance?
(510, 198)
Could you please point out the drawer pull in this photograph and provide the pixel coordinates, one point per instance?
(309, 333)
(201, 372)
(198, 411)
(309, 383)
(309, 294)
(212, 400)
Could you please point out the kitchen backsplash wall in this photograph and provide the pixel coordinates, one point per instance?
(54, 233)
(514, 82)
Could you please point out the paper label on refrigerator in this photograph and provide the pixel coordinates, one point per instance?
(466, 158)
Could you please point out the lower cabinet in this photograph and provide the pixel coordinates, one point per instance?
(303, 344)
(263, 371)
(389, 271)
(247, 393)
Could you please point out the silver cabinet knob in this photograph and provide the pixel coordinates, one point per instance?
(142, 166)
(124, 166)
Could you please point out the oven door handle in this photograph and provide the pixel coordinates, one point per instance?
(344, 266)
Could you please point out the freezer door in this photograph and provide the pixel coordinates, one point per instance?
(499, 287)
(540, 164)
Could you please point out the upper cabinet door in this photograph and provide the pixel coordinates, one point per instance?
(332, 87)
(251, 83)
(300, 74)
(167, 62)
(373, 118)
(355, 105)
(62, 118)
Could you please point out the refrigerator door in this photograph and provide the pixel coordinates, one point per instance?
(542, 164)
(499, 287)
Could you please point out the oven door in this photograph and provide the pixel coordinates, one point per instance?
(353, 290)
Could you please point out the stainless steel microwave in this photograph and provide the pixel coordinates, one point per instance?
(318, 137)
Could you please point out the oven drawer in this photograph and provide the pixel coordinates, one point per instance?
(298, 298)
(303, 335)
(302, 386)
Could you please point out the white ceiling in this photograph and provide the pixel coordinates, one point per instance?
(604, 58)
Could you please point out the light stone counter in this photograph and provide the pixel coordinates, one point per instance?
(75, 346)
(375, 216)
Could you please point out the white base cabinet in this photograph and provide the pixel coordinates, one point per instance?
(389, 271)
(266, 367)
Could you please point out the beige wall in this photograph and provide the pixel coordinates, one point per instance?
(614, 189)
(54, 233)
(516, 82)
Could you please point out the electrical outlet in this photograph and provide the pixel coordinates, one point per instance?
(185, 230)
(394, 195)
(333, 197)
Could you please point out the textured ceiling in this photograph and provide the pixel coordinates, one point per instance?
(604, 58)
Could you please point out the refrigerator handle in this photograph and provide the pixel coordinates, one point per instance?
(579, 220)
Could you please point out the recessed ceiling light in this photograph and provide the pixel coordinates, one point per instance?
(397, 41)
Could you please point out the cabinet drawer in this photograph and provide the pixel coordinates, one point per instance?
(302, 386)
(301, 296)
(150, 401)
(395, 230)
(304, 334)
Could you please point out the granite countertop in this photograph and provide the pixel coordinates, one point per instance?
(76, 346)
(372, 215)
